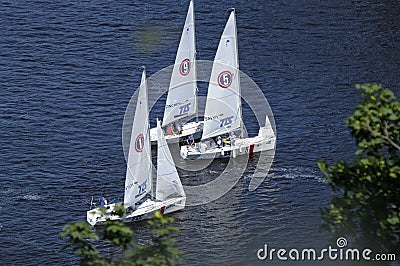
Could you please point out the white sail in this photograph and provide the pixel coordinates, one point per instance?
(182, 94)
(168, 183)
(223, 106)
(138, 173)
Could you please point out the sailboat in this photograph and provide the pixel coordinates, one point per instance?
(181, 101)
(223, 112)
(169, 196)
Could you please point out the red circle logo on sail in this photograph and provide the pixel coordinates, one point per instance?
(139, 143)
(184, 67)
(225, 79)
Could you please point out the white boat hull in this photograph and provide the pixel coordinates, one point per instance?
(265, 141)
(191, 128)
(142, 212)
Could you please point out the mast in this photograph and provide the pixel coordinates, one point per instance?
(147, 130)
(222, 113)
(182, 94)
(138, 179)
(238, 75)
(195, 65)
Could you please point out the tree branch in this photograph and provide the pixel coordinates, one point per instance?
(385, 136)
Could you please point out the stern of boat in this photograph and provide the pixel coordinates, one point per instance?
(184, 151)
(153, 135)
(95, 216)
(178, 204)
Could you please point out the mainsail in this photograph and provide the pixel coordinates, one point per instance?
(223, 112)
(182, 94)
(168, 183)
(138, 173)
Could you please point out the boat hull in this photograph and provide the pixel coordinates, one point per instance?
(191, 128)
(246, 146)
(142, 212)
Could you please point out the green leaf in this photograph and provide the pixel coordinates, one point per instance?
(367, 187)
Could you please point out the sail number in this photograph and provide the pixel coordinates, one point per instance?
(225, 121)
(225, 79)
(139, 143)
(184, 67)
(184, 108)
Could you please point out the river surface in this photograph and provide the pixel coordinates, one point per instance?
(69, 68)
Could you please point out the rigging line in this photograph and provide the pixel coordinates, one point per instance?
(218, 99)
(167, 174)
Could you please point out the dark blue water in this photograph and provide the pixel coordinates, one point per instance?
(69, 68)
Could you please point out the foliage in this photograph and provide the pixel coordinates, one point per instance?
(80, 234)
(370, 184)
(162, 251)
